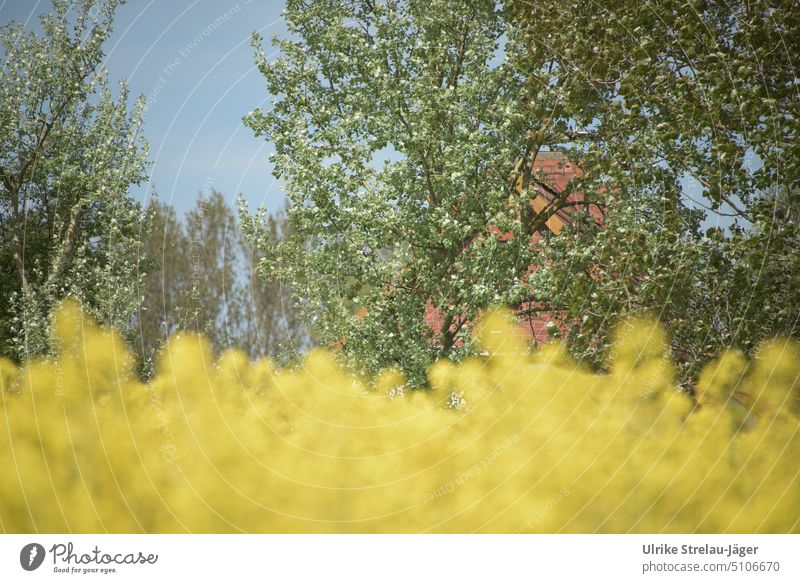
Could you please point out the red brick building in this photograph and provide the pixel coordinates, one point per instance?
(556, 172)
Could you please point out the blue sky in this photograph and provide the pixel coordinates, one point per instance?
(193, 60)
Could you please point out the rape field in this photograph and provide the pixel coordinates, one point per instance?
(514, 442)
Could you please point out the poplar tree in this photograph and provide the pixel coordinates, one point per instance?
(69, 152)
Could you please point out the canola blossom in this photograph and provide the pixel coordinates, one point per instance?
(512, 441)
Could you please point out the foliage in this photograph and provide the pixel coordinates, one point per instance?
(205, 281)
(537, 444)
(69, 153)
(685, 116)
(164, 287)
(699, 87)
(397, 128)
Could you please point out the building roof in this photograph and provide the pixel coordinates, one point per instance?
(555, 171)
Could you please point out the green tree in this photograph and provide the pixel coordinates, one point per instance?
(651, 97)
(205, 281)
(271, 321)
(212, 302)
(397, 127)
(68, 153)
(166, 284)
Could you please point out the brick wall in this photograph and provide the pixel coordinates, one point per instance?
(558, 172)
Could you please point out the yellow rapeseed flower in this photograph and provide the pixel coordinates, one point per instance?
(506, 442)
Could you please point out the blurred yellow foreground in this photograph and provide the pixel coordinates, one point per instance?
(533, 444)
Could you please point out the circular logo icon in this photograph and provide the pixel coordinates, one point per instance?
(31, 556)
